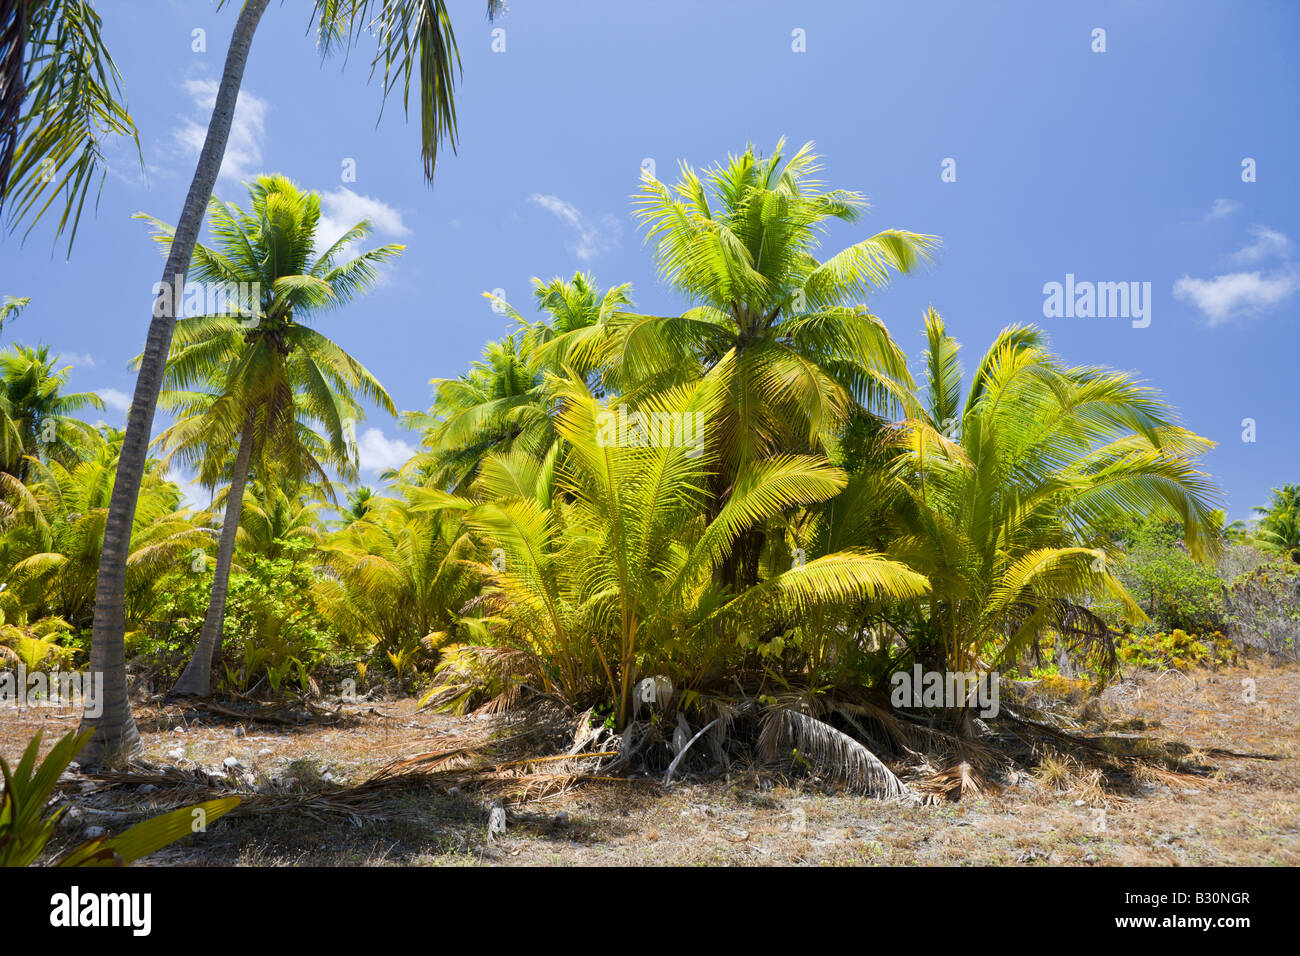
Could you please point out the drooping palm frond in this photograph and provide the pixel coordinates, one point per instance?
(831, 752)
(61, 99)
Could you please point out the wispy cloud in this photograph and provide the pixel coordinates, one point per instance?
(243, 158)
(342, 209)
(593, 238)
(1234, 295)
(1268, 244)
(1222, 208)
(78, 359)
(116, 400)
(378, 452)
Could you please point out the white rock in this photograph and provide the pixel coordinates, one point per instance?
(265, 752)
(177, 754)
(92, 833)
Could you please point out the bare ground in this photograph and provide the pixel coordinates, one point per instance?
(1246, 811)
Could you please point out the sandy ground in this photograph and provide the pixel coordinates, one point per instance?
(1247, 811)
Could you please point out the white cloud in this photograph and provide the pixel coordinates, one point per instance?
(378, 452)
(1236, 294)
(243, 158)
(1222, 208)
(114, 399)
(592, 238)
(1241, 294)
(342, 209)
(78, 359)
(1268, 244)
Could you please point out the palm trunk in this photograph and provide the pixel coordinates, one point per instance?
(196, 681)
(115, 736)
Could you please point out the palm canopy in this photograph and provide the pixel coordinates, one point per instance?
(297, 392)
(500, 403)
(1278, 528)
(1007, 494)
(739, 242)
(36, 413)
(51, 554)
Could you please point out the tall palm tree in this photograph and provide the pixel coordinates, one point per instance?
(414, 39)
(740, 242)
(264, 383)
(38, 412)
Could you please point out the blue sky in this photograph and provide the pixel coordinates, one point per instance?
(1122, 166)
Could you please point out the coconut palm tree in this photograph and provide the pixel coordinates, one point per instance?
(606, 562)
(39, 412)
(396, 577)
(1278, 527)
(503, 401)
(50, 556)
(500, 403)
(414, 39)
(1006, 495)
(739, 242)
(267, 384)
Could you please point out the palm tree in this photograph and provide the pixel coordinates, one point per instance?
(264, 383)
(50, 557)
(11, 307)
(397, 577)
(1278, 528)
(798, 349)
(1006, 495)
(501, 403)
(414, 37)
(607, 562)
(38, 412)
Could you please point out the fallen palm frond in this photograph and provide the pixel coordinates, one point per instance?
(830, 751)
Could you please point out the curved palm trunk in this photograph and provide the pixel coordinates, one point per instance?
(196, 681)
(115, 737)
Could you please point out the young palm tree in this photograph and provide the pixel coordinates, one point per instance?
(414, 39)
(50, 557)
(265, 383)
(606, 563)
(38, 413)
(1007, 493)
(397, 577)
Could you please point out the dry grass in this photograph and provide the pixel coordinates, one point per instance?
(1245, 810)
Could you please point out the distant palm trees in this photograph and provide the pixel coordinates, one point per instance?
(264, 383)
(36, 414)
(1278, 528)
